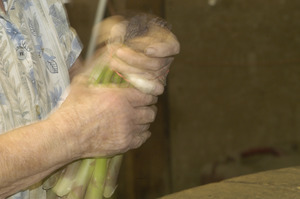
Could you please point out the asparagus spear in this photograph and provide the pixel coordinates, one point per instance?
(112, 176)
(82, 178)
(65, 183)
(96, 185)
(52, 180)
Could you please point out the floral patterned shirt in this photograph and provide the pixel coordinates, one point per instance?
(37, 47)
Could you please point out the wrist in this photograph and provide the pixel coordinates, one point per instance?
(67, 131)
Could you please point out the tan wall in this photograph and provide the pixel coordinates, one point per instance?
(235, 85)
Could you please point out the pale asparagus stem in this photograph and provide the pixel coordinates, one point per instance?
(53, 179)
(96, 185)
(51, 195)
(112, 176)
(82, 178)
(65, 183)
(37, 192)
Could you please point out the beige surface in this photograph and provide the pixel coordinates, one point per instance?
(277, 184)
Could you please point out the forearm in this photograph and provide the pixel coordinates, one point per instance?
(29, 154)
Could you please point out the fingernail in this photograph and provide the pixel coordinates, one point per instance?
(150, 51)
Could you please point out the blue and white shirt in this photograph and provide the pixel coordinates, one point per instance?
(37, 48)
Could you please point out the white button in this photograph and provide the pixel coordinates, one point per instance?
(21, 53)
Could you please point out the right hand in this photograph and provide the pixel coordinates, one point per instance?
(104, 121)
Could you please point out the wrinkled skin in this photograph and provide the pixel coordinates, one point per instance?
(125, 114)
(148, 56)
(94, 120)
(113, 121)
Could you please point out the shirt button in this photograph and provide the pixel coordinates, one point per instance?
(21, 53)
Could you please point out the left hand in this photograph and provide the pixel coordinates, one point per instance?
(147, 57)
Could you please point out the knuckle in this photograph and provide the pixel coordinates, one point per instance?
(139, 140)
(145, 127)
(124, 140)
(158, 63)
(131, 61)
(152, 115)
(151, 99)
(159, 89)
(154, 99)
(114, 64)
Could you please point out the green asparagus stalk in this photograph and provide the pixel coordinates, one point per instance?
(112, 176)
(96, 185)
(82, 178)
(37, 192)
(65, 183)
(51, 195)
(52, 180)
(98, 182)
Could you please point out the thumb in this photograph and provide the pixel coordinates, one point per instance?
(118, 32)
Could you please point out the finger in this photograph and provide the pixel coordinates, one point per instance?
(162, 72)
(159, 88)
(145, 115)
(118, 30)
(143, 128)
(167, 48)
(137, 99)
(140, 139)
(152, 87)
(124, 68)
(163, 79)
(107, 26)
(140, 60)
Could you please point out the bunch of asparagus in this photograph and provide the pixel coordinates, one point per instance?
(97, 178)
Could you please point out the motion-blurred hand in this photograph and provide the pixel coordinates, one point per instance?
(147, 56)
